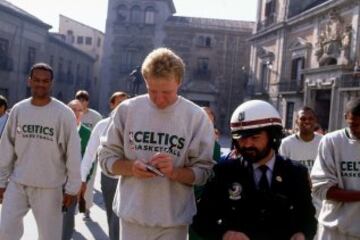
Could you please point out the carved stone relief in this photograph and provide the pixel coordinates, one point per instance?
(334, 42)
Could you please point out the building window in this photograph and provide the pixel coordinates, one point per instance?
(270, 12)
(80, 39)
(135, 15)
(264, 77)
(203, 64)
(99, 42)
(4, 92)
(88, 40)
(200, 41)
(121, 13)
(207, 42)
(129, 60)
(31, 58)
(149, 15)
(129, 57)
(70, 36)
(296, 67)
(289, 115)
(60, 70)
(78, 75)
(4, 53)
(69, 74)
(51, 61)
(203, 41)
(4, 47)
(87, 79)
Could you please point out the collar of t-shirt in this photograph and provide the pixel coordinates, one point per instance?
(257, 172)
(350, 135)
(297, 135)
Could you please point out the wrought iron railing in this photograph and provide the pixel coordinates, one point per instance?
(291, 86)
(349, 80)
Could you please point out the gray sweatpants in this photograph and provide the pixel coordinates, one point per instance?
(69, 221)
(108, 188)
(133, 231)
(45, 204)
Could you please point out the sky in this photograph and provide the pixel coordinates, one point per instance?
(93, 12)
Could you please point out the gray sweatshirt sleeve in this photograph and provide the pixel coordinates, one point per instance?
(72, 155)
(200, 151)
(7, 149)
(112, 144)
(323, 173)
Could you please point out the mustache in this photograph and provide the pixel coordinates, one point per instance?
(244, 149)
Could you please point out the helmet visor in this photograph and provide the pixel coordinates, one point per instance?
(245, 133)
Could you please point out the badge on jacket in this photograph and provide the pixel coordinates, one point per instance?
(235, 191)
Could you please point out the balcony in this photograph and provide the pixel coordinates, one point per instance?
(350, 80)
(270, 20)
(293, 86)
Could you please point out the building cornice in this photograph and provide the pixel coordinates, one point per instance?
(171, 5)
(274, 28)
(82, 24)
(315, 11)
(304, 16)
(53, 38)
(12, 9)
(210, 24)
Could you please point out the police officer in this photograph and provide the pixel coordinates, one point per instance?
(259, 195)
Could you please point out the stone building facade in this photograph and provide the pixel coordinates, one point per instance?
(216, 52)
(25, 40)
(89, 40)
(304, 53)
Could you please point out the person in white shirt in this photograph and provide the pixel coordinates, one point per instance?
(40, 153)
(108, 184)
(335, 179)
(3, 114)
(303, 145)
(90, 116)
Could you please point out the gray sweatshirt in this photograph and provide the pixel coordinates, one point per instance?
(338, 163)
(40, 147)
(90, 118)
(138, 131)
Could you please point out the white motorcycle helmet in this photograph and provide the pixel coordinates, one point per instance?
(254, 116)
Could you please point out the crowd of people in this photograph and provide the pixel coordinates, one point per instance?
(155, 151)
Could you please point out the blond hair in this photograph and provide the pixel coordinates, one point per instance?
(163, 62)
